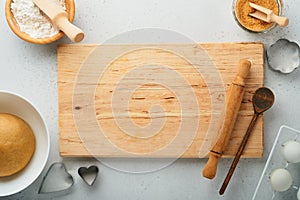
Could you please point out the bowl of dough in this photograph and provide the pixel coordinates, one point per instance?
(29, 23)
(24, 143)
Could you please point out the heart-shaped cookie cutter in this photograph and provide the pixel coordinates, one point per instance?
(56, 179)
(89, 175)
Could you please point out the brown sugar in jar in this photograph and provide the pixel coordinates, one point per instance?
(242, 10)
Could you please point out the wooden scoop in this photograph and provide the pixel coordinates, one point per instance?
(268, 15)
(234, 97)
(59, 17)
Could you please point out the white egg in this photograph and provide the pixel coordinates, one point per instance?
(281, 180)
(291, 151)
(298, 194)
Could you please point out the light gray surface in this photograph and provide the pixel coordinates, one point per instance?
(31, 70)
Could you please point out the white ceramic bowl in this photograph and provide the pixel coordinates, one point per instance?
(19, 106)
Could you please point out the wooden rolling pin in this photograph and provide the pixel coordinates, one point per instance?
(234, 98)
(59, 17)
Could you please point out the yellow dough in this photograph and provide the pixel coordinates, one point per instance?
(17, 144)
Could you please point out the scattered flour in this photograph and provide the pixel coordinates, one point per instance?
(31, 20)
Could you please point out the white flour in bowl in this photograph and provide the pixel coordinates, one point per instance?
(31, 20)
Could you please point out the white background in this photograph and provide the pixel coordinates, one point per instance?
(31, 71)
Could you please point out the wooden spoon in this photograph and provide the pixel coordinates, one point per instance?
(262, 100)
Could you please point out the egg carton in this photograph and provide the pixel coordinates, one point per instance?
(275, 161)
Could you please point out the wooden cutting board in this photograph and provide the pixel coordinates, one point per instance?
(153, 100)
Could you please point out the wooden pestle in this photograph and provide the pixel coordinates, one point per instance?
(234, 98)
(59, 17)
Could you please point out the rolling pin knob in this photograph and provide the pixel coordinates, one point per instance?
(210, 168)
(242, 72)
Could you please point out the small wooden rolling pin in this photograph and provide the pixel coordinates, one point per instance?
(234, 98)
(59, 17)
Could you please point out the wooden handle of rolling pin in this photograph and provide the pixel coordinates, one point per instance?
(60, 18)
(234, 97)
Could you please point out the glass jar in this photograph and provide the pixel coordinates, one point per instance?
(267, 29)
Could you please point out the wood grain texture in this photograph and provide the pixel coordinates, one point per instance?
(108, 97)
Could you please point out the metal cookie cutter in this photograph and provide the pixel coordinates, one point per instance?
(89, 174)
(57, 179)
(284, 56)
